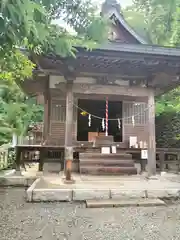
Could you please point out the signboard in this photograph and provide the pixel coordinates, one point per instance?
(114, 150)
(105, 150)
(132, 142)
(144, 154)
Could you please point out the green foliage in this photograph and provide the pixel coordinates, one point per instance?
(14, 66)
(160, 21)
(175, 37)
(169, 102)
(28, 24)
(159, 15)
(167, 130)
(16, 112)
(137, 21)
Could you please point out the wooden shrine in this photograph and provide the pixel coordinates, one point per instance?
(126, 71)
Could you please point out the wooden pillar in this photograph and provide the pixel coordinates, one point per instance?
(41, 159)
(162, 160)
(47, 102)
(18, 159)
(152, 135)
(68, 132)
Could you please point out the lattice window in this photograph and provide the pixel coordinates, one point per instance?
(138, 110)
(58, 110)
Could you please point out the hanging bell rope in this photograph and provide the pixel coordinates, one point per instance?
(107, 117)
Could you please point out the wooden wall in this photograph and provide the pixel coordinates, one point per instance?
(57, 120)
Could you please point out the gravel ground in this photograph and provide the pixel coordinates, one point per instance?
(55, 221)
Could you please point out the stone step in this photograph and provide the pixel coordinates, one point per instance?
(101, 170)
(107, 162)
(124, 203)
(118, 156)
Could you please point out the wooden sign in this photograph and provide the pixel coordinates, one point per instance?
(105, 150)
(114, 150)
(144, 154)
(132, 142)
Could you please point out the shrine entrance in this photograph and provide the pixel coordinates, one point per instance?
(90, 117)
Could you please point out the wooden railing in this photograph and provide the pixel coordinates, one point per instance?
(7, 158)
(30, 141)
(166, 158)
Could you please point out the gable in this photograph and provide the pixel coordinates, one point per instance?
(120, 29)
(120, 34)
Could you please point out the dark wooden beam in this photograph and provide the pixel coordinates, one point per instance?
(110, 90)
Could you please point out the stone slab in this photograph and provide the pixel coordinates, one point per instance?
(5, 173)
(50, 195)
(124, 203)
(127, 194)
(29, 192)
(163, 193)
(16, 181)
(87, 194)
(49, 168)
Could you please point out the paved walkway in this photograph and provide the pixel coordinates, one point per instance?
(52, 188)
(71, 221)
(123, 182)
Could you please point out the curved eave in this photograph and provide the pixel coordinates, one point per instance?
(123, 22)
(142, 49)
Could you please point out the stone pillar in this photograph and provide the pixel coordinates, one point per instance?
(68, 132)
(152, 135)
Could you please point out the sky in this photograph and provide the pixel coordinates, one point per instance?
(123, 3)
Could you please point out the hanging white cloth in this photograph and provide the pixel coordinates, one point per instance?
(133, 121)
(103, 124)
(119, 123)
(89, 122)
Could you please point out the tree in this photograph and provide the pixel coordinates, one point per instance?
(159, 16)
(163, 25)
(169, 102)
(137, 21)
(160, 19)
(16, 112)
(28, 24)
(175, 37)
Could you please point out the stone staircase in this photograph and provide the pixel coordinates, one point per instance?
(107, 164)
